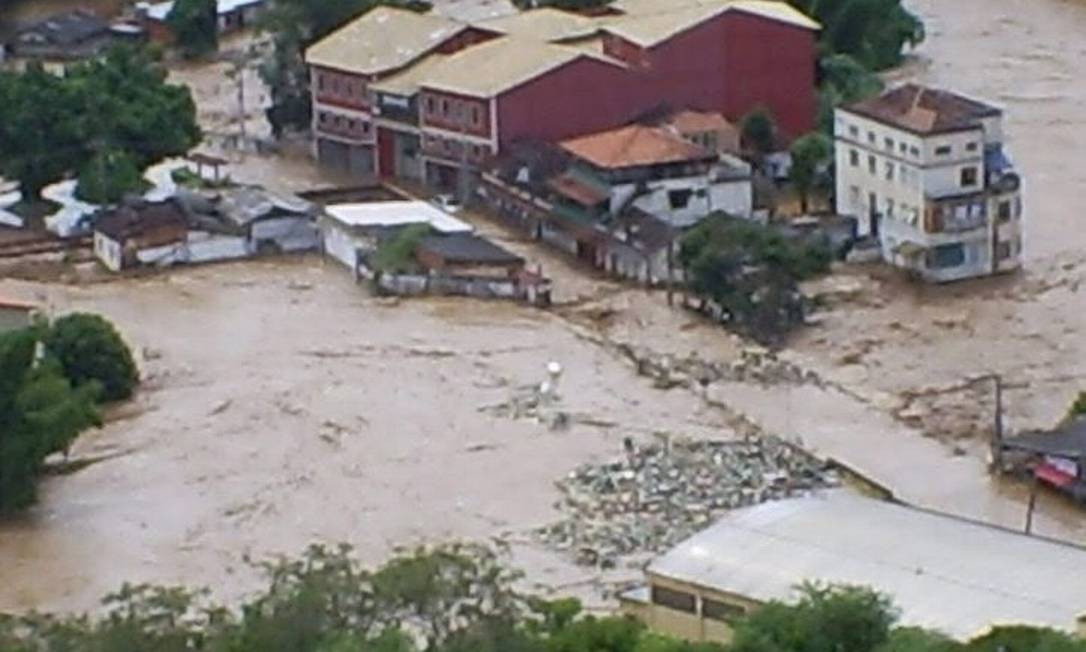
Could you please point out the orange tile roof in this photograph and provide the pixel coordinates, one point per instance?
(633, 146)
(689, 122)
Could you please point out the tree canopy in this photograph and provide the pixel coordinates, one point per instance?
(459, 598)
(811, 155)
(41, 412)
(873, 32)
(749, 273)
(194, 24)
(118, 109)
(89, 349)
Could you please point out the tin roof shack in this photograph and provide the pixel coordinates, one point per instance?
(271, 222)
(15, 315)
(137, 234)
(1055, 458)
(231, 16)
(466, 254)
(350, 232)
(957, 576)
(71, 36)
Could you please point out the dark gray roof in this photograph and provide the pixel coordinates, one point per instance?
(128, 221)
(923, 110)
(67, 28)
(469, 248)
(1066, 441)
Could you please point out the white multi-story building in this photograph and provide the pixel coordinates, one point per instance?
(925, 172)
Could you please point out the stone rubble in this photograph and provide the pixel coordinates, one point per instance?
(662, 493)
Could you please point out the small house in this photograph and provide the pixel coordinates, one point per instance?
(271, 222)
(138, 234)
(70, 36)
(349, 232)
(232, 16)
(466, 254)
(15, 315)
(660, 172)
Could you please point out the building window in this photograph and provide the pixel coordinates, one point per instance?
(722, 611)
(679, 198)
(853, 158)
(320, 81)
(889, 171)
(890, 144)
(854, 131)
(1003, 250)
(904, 148)
(1004, 211)
(871, 165)
(969, 177)
(915, 151)
(677, 600)
(429, 105)
(871, 137)
(444, 107)
(971, 147)
(946, 256)
(475, 115)
(889, 207)
(942, 150)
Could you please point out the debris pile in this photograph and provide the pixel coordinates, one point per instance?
(753, 366)
(661, 494)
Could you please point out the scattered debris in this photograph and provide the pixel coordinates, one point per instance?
(541, 402)
(660, 494)
(220, 407)
(755, 365)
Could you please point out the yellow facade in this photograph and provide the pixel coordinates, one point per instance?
(696, 626)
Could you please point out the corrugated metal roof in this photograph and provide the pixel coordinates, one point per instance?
(945, 573)
(396, 213)
(544, 24)
(632, 146)
(382, 40)
(406, 82)
(493, 67)
(649, 22)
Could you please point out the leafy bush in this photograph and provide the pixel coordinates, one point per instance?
(88, 349)
(108, 177)
(195, 25)
(397, 254)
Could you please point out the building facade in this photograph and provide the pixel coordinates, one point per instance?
(398, 93)
(926, 174)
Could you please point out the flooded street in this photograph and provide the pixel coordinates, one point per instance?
(283, 405)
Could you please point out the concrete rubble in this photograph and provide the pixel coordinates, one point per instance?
(755, 365)
(660, 494)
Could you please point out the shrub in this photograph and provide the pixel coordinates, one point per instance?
(88, 349)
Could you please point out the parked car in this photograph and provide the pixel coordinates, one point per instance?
(447, 203)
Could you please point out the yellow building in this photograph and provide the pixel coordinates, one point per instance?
(945, 573)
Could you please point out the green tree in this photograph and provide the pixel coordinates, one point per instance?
(1078, 407)
(826, 619)
(40, 413)
(758, 131)
(295, 25)
(915, 639)
(128, 107)
(811, 153)
(874, 32)
(750, 272)
(108, 177)
(89, 349)
(41, 139)
(1020, 638)
(195, 25)
(843, 80)
(397, 254)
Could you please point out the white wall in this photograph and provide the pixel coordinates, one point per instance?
(943, 171)
(108, 251)
(733, 196)
(341, 244)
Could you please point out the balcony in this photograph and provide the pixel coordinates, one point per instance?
(958, 215)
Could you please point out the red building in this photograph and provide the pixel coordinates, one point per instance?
(466, 92)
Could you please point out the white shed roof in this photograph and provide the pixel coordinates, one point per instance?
(396, 213)
(945, 573)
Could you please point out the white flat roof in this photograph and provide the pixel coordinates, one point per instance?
(945, 573)
(397, 213)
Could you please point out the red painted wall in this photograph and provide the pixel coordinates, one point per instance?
(341, 89)
(730, 64)
(444, 110)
